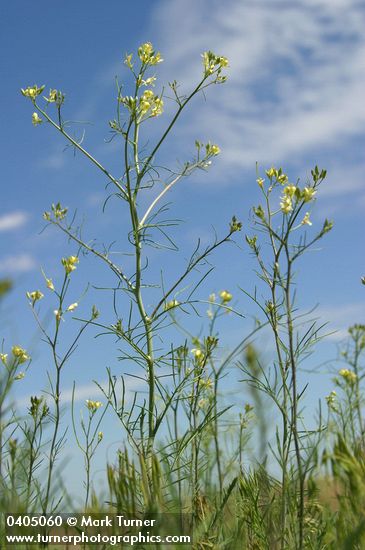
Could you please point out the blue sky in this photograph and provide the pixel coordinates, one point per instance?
(294, 98)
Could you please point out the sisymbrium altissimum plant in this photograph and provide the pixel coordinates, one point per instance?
(141, 178)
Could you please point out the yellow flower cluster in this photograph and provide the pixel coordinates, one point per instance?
(32, 91)
(213, 63)
(93, 406)
(212, 150)
(290, 193)
(35, 296)
(331, 398)
(348, 375)
(58, 211)
(286, 204)
(20, 354)
(225, 296)
(150, 104)
(55, 96)
(306, 219)
(147, 55)
(274, 173)
(70, 263)
(235, 225)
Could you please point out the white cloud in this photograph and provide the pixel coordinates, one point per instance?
(296, 77)
(13, 220)
(340, 318)
(17, 264)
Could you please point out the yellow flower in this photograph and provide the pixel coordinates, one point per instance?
(331, 398)
(148, 94)
(32, 91)
(282, 178)
(198, 354)
(70, 263)
(49, 284)
(93, 406)
(272, 172)
(348, 375)
(225, 296)
(58, 211)
(100, 436)
(35, 295)
(36, 120)
(3, 358)
(306, 220)
(308, 194)
(157, 109)
(212, 149)
(171, 304)
(223, 61)
(128, 60)
(53, 94)
(144, 106)
(72, 307)
(20, 354)
(260, 182)
(150, 81)
(286, 204)
(289, 190)
(156, 59)
(57, 314)
(19, 376)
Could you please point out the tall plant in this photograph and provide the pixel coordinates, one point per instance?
(141, 180)
(281, 222)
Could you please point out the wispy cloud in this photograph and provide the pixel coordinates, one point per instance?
(340, 318)
(296, 77)
(20, 263)
(13, 220)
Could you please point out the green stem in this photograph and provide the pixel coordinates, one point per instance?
(294, 416)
